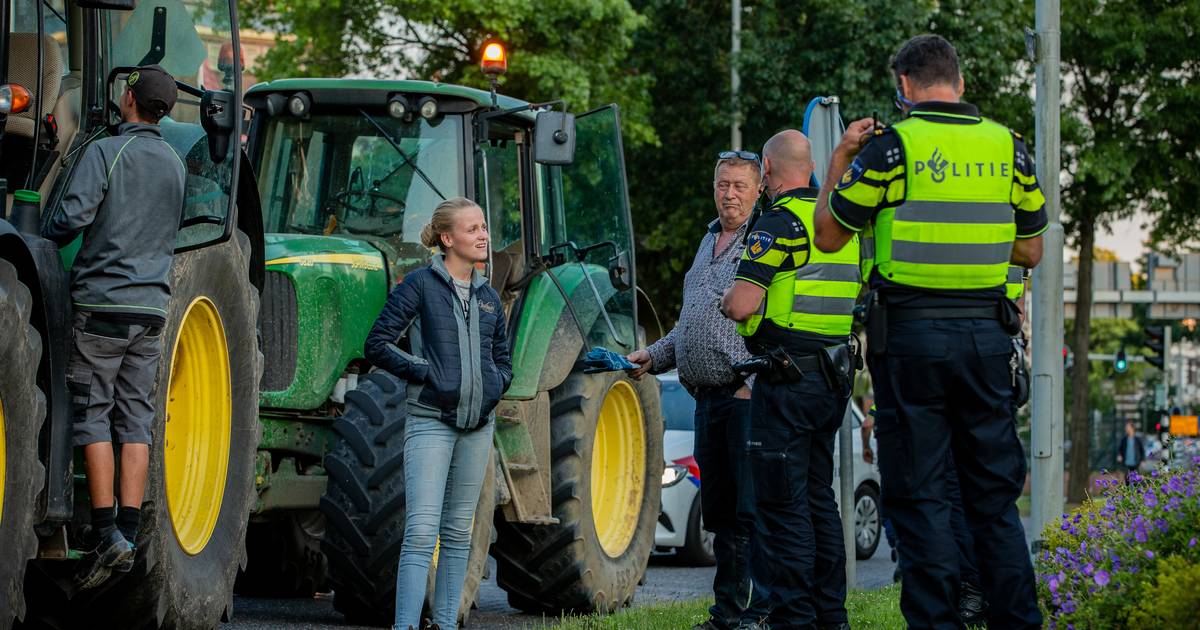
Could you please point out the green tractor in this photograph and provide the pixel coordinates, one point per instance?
(62, 66)
(349, 172)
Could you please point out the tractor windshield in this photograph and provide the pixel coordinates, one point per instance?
(339, 175)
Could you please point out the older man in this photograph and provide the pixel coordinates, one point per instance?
(704, 345)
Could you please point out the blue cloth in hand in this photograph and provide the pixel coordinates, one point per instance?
(601, 359)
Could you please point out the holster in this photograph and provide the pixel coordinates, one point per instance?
(837, 366)
(1010, 317)
(1022, 387)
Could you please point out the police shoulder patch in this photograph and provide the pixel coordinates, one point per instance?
(758, 243)
(852, 174)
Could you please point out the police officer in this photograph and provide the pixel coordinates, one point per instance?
(794, 306)
(950, 199)
(126, 198)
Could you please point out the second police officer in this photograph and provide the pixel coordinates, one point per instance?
(950, 199)
(795, 304)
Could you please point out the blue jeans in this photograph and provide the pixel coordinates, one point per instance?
(443, 473)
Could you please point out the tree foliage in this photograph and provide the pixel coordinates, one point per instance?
(791, 52)
(564, 49)
(1131, 129)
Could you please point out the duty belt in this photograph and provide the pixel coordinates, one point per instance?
(900, 314)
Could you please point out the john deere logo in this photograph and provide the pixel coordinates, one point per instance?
(133, 78)
(940, 168)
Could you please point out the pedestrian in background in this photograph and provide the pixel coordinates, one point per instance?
(447, 312)
(950, 200)
(1131, 451)
(704, 345)
(126, 198)
(794, 306)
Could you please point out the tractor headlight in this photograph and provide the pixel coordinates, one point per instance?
(397, 106)
(673, 474)
(428, 107)
(299, 104)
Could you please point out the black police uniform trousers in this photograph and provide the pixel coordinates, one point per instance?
(945, 386)
(726, 499)
(799, 554)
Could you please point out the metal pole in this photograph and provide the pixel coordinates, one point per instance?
(846, 488)
(735, 81)
(1047, 430)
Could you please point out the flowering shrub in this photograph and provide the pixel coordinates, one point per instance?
(1127, 557)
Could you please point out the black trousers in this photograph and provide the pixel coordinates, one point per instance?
(726, 499)
(799, 557)
(944, 386)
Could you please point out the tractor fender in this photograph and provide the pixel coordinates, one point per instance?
(40, 269)
(249, 219)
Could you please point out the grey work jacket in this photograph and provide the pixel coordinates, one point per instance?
(126, 195)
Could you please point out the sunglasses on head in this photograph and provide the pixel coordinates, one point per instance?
(745, 155)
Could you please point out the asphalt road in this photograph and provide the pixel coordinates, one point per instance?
(665, 581)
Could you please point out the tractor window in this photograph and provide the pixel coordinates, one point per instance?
(498, 180)
(337, 175)
(192, 40)
(595, 225)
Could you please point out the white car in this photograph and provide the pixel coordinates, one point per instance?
(681, 523)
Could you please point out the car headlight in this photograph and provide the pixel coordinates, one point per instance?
(673, 474)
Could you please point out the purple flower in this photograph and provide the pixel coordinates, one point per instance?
(1053, 585)
(1192, 543)
(1088, 569)
(1149, 499)
(1101, 577)
(1134, 477)
(1150, 554)
(1093, 532)
(1140, 535)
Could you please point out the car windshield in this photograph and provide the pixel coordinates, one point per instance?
(679, 408)
(339, 175)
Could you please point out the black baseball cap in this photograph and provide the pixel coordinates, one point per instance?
(153, 88)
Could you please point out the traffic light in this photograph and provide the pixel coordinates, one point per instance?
(1121, 363)
(1157, 340)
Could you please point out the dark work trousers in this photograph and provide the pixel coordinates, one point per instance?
(799, 557)
(944, 386)
(726, 498)
(968, 568)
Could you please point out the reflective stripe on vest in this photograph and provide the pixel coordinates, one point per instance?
(1014, 285)
(956, 227)
(819, 296)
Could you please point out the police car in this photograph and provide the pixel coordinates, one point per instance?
(681, 524)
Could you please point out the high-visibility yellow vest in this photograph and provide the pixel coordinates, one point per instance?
(818, 297)
(956, 227)
(1014, 285)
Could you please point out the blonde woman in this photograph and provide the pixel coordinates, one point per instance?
(457, 366)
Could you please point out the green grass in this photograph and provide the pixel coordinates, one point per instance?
(868, 610)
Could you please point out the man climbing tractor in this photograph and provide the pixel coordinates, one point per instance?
(128, 195)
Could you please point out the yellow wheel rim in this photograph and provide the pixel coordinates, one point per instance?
(199, 418)
(3, 459)
(618, 469)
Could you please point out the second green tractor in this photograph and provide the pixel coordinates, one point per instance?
(348, 172)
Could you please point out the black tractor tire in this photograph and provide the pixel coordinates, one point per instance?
(364, 506)
(284, 557)
(550, 569)
(24, 410)
(697, 549)
(169, 587)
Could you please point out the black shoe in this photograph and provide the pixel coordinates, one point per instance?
(111, 551)
(707, 624)
(971, 605)
(754, 625)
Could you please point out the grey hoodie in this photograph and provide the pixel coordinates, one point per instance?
(126, 196)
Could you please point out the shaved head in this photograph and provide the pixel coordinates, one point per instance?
(789, 163)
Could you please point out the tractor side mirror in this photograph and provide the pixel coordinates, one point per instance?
(619, 267)
(554, 138)
(217, 118)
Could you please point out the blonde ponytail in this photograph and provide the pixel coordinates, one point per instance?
(442, 220)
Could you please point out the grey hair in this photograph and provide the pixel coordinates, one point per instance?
(734, 162)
